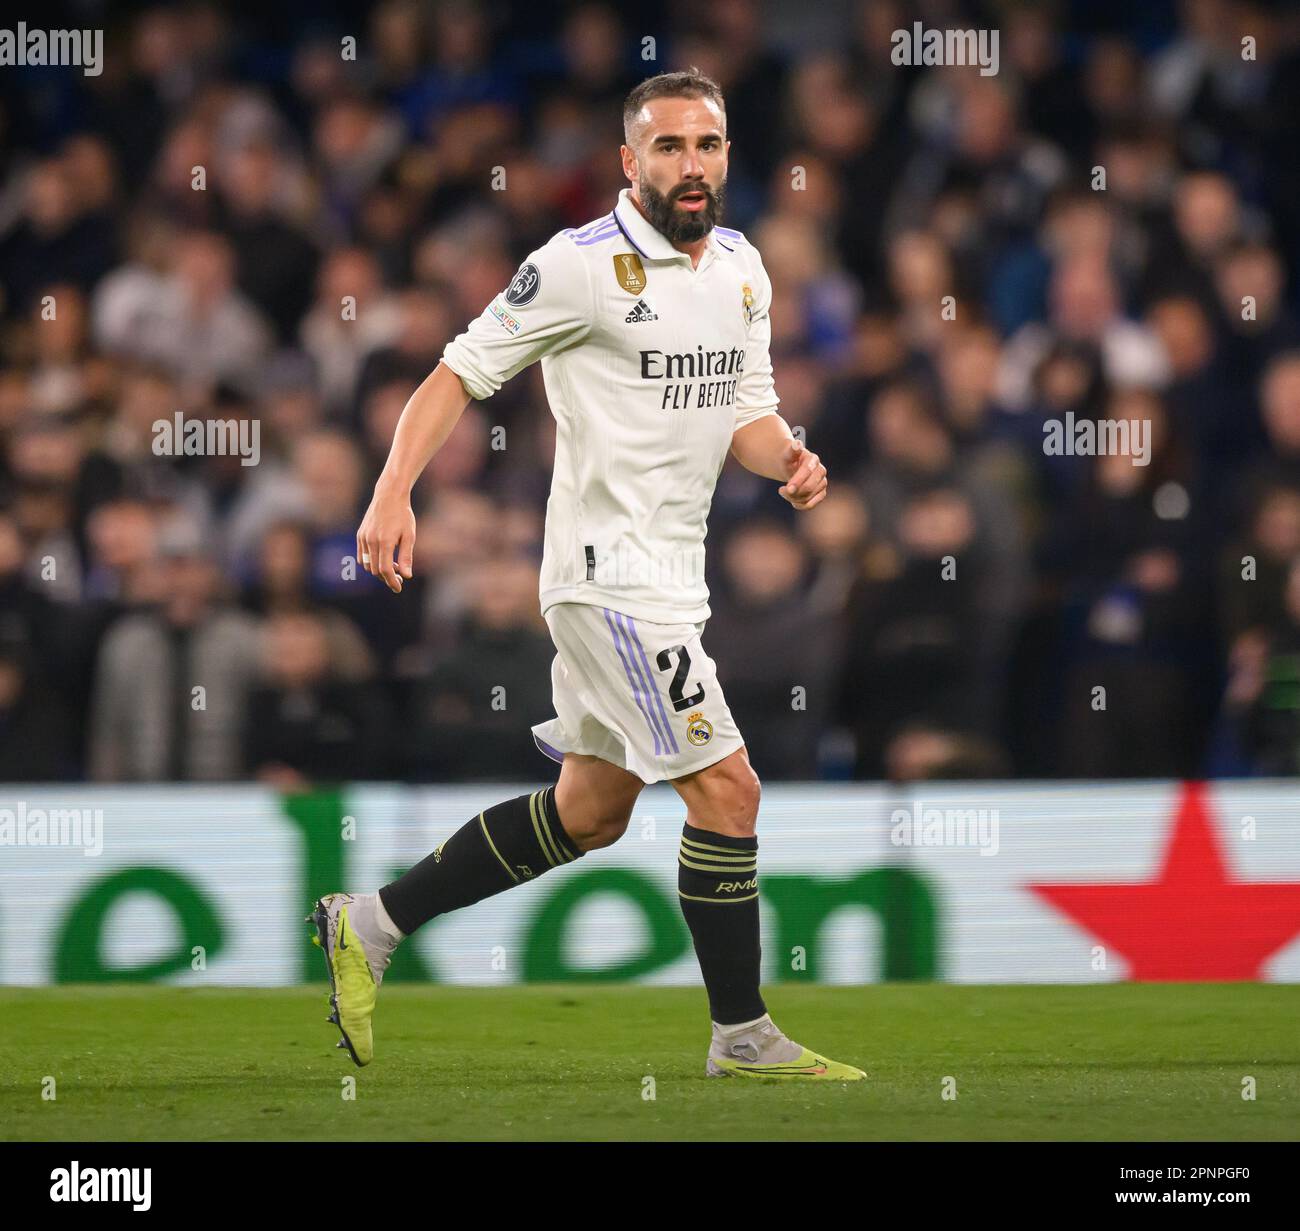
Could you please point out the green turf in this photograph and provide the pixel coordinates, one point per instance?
(1113, 1062)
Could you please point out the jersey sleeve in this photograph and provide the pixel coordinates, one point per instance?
(756, 394)
(546, 307)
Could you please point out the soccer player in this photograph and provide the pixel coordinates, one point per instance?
(651, 324)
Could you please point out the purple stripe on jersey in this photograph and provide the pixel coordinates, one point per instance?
(554, 753)
(727, 231)
(583, 236)
(659, 701)
(596, 239)
(591, 226)
(636, 689)
(586, 232)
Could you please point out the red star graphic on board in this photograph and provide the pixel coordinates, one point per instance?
(1195, 921)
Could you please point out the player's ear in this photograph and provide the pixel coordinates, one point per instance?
(629, 162)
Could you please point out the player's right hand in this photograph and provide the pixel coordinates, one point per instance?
(388, 530)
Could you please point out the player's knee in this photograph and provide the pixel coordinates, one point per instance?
(596, 824)
(610, 829)
(733, 798)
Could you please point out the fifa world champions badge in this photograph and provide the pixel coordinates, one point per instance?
(748, 295)
(699, 730)
(630, 272)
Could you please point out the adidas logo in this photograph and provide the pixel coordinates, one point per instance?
(642, 312)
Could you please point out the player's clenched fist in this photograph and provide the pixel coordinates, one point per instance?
(805, 484)
(388, 529)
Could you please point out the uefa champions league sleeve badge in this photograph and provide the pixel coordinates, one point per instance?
(524, 285)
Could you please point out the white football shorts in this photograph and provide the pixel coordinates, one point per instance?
(640, 695)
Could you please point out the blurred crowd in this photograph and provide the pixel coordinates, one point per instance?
(240, 220)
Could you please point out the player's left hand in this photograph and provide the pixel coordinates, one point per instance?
(806, 485)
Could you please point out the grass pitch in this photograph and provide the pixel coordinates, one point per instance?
(1119, 1062)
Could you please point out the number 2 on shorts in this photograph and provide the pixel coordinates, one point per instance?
(664, 661)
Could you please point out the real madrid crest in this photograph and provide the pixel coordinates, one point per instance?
(699, 730)
(748, 303)
(630, 272)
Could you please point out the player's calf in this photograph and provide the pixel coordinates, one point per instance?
(506, 845)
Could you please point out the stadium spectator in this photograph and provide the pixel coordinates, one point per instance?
(311, 719)
(1264, 694)
(172, 683)
(281, 586)
(911, 629)
(34, 743)
(482, 698)
(777, 653)
(192, 321)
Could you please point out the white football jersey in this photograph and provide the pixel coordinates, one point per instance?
(650, 366)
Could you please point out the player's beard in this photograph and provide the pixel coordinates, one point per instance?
(681, 226)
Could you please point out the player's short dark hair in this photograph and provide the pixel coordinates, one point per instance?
(688, 83)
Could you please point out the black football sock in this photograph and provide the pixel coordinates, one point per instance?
(503, 846)
(717, 885)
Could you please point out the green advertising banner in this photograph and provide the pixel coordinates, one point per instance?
(988, 883)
